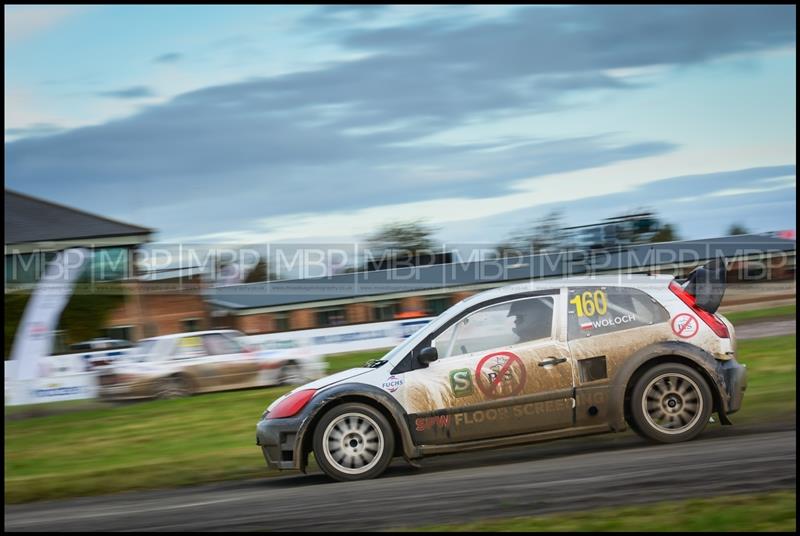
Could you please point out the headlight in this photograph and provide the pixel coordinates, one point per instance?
(289, 405)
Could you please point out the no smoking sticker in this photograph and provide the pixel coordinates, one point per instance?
(685, 326)
(500, 374)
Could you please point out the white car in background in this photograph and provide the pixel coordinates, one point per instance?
(182, 364)
(286, 362)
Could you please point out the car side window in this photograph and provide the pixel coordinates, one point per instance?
(189, 347)
(601, 310)
(219, 345)
(496, 326)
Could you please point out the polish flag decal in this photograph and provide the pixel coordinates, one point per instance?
(586, 325)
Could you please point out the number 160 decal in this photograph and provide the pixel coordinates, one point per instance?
(590, 303)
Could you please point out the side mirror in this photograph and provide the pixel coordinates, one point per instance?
(427, 356)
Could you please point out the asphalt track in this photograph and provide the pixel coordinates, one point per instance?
(574, 474)
(563, 475)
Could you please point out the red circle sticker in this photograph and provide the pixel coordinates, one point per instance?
(685, 326)
(500, 374)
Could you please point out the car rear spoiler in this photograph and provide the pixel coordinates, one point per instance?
(707, 284)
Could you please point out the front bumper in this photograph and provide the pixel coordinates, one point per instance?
(735, 375)
(278, 439)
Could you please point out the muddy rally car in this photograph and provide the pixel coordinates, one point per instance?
(524, 363)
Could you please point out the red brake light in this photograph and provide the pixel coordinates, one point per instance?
(291, 404)
(716, 325)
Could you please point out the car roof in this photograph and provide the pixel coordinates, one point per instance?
(644, 282)
(189, 334)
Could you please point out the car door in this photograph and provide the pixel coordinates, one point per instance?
(495, 376)
(233, 367)
(605, 326)
(191, 357)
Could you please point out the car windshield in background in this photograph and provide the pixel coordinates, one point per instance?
(146, 347)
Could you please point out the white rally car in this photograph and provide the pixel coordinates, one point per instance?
(524, 363)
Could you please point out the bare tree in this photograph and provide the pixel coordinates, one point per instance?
(737, 229)
(543, 234)
(402, 242)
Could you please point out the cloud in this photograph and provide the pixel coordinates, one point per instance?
(537, 40)
(134, 92)
(356, 134)
(36, 129)
(169, 57)
(22, 22)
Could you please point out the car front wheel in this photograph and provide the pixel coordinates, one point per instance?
(353, 442)
(670, 403)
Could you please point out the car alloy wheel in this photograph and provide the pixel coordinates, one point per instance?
(670, 402)
(290, 374)
(173, 387)
(353, 442)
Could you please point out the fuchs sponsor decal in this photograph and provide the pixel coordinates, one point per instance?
(393, 383)
(609, 322)
(500, 374)
(685, 326)
(461, 382)
(478, 417)
(428, 423)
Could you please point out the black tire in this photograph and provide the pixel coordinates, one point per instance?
(291, 374)
(670, 403)
(361, 435)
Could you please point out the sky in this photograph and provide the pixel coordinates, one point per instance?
(254, 124)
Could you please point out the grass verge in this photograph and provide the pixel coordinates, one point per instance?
(769, 512)
(771, 313)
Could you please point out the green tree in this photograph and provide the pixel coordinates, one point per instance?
(666, 234)
(260, 273)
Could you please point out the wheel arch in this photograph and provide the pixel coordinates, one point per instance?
(364, 394)
(669, 352)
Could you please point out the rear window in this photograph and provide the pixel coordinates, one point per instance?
(599, 310)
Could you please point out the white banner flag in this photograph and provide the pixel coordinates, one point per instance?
(34, 338)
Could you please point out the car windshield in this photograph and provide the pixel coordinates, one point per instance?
(404, 347)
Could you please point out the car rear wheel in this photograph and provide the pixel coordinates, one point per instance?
(173, 387)
(670, 403)
(353, 442)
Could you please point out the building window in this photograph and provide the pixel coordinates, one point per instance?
(438, 305)
(384, 311)
(331, 317)
(281, 322)
(190, 324)
(120, 332)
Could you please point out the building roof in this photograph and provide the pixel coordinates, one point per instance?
(29, 219)
(449, 277)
